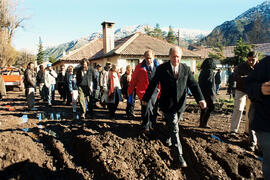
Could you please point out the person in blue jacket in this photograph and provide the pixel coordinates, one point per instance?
(72, 87)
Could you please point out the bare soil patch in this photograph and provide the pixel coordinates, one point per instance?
(49, 144)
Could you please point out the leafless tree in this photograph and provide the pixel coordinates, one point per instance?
(9, 22)
(23, 58)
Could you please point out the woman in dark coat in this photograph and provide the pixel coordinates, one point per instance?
(208, 88)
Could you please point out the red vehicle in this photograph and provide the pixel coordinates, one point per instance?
(12, 77)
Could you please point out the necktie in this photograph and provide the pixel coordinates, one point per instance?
(150, 69)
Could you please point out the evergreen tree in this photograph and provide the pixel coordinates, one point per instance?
(52, 59)
(158, 32)
(40, 54)
(148, 31)
(241, 51)
(171, 36)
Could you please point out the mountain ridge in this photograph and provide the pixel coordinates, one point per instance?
(253, 26)
(57, 51)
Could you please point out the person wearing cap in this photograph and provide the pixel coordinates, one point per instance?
(50, 81)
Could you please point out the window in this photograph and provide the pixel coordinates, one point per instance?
(133, 63)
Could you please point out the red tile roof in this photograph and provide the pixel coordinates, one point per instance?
(228, 51)
(86, 51)
(138, 43)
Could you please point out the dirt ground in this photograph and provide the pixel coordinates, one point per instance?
(49, 144)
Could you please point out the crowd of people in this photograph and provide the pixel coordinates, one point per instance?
(162, 86)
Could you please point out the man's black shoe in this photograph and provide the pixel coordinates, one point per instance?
(182, 162)
(130, 116)
(252, 147)
(112, 116)
(205, 126)
(83, 116)
(145, 130)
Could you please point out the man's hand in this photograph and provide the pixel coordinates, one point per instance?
(266, 88)
(203, 104)
(144, 103)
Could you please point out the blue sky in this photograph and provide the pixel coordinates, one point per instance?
(59, 21)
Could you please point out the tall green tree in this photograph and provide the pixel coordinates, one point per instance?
(40, 54)
(171, 36)
(148, 31)
(241, 51)
(156, 32)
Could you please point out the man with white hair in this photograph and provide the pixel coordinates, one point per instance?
(174, 78)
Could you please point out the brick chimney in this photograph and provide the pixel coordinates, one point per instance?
(108, 36)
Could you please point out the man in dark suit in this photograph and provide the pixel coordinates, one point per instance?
(174, 78)
(257, 86)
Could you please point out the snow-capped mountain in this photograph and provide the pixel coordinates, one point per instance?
(57, 52)
(189, 34)
(263, 8)
(253, 26)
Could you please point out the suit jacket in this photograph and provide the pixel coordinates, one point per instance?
(91, 78)
(173, 90)
(29, 78)
(240, 74)
(140, 79)
(259, 111)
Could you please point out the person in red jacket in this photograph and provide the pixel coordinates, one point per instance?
(140, 79)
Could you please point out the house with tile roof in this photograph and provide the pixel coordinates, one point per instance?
(130, 50)
(126, 51)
